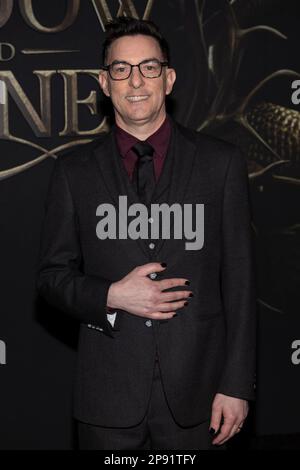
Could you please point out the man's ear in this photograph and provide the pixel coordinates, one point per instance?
(170, 80)
(103, 81)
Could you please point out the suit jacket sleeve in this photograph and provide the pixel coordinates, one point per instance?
(60, 279)
(238, 283)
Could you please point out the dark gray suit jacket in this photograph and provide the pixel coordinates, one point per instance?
(210, 346)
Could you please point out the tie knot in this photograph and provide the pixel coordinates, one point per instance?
(142, 149)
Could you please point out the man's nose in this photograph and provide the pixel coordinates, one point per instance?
(136, 78)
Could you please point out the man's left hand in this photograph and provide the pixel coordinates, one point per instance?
(234, 412)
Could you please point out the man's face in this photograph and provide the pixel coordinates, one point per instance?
(135, 49)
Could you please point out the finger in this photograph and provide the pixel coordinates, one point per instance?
(215, 420)
(233, 431)
(161, 315)
(225, 432)
(240, 426)
(172, 305)
(149, 268)
(172, 282)
(176, 295)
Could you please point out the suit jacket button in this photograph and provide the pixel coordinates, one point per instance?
(148, 323)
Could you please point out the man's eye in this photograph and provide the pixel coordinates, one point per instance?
(120, 67)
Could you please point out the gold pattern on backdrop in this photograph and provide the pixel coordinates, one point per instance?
(12, 89)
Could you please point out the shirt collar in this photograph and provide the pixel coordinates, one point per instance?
(159, 139)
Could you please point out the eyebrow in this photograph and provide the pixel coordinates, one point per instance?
(116, 61)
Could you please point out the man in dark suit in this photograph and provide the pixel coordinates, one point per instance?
(167, 335)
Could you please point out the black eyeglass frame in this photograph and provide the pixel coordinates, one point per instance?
(108, 68)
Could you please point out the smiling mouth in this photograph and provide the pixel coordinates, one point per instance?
(136, 99)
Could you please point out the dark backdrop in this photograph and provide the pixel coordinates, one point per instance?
(221, 57)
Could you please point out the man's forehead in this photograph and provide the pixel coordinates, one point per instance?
(134, 48)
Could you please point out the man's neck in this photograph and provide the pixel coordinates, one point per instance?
(141, 130)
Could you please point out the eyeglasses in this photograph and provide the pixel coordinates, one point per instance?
(122, 70)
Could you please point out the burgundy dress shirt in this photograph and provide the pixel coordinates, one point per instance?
(159, 141)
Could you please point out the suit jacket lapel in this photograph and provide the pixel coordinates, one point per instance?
(184, 151)
(115, 178)
(176, 173)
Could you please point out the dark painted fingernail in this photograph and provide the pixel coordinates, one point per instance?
(175, 315)
(187, 283)
(186, 303)
(163, 265)
(191, 295)
(212, 431)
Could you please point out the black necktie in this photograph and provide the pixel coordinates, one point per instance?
(143, 175)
